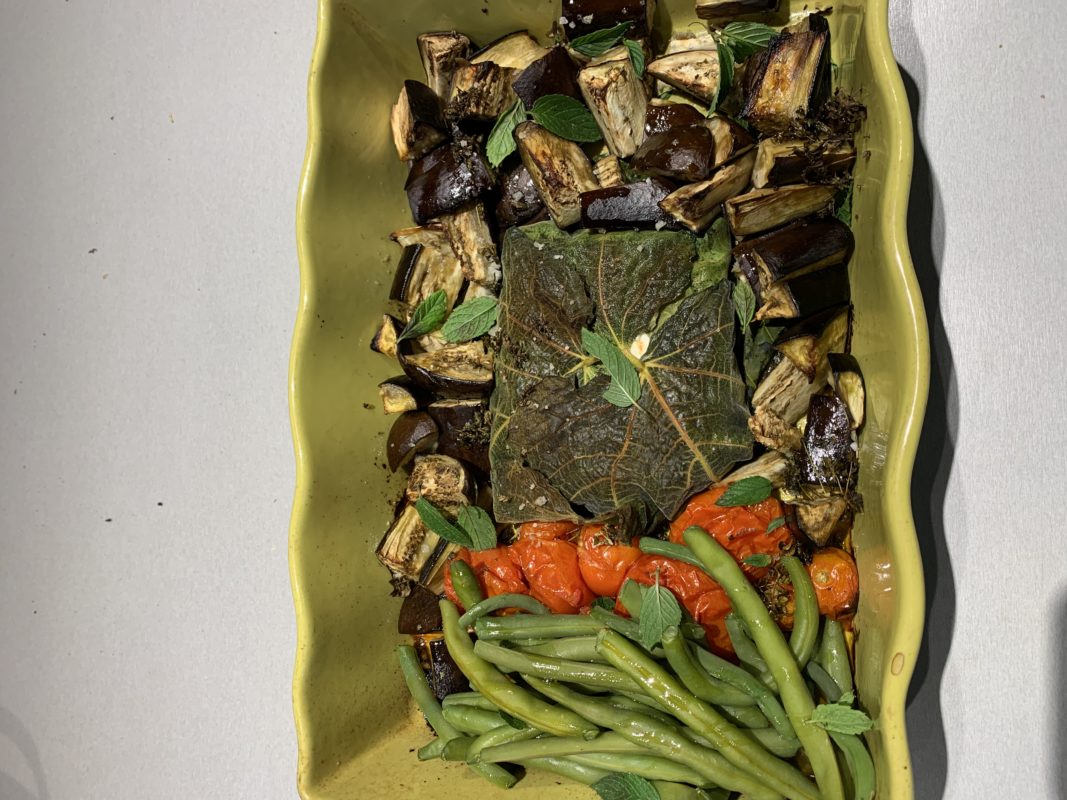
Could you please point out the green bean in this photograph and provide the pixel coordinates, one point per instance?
(536, 626)
(502, 734)
(695, 679)
(562, 746)
(693, 631)
(733, 675)
(664, 740)
(415, 679)
(465, 583)
(576, 648)
(859, 764)
(805, 611)
(680, 791)
(609, 619)
(653, 768)
(641, 704)
(679, 552)
(747, 717)
(567, 769)
(432, 750)
(499, 601)
(468, 699)
(456, 749)
(508, 696)
(747, 652)
(829, 688)
(740, 750)
(796, 698)
(775, 742)
(597, 676)
(833, 654)
(470, 720)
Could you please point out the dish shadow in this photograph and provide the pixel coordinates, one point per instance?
(12, 728)
(1060, 777)
(933, 465)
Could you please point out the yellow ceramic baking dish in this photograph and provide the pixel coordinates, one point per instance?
(356, 727)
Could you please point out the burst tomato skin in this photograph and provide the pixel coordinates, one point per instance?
(495, 570)
(546, 530)
(837, 582)
(550, 567)
(603, 565)
(701, 596)
(742, 530)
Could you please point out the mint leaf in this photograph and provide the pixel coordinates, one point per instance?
(775, 524)
(625, 388)
(757, 560)
(637, 56)
(606, 603)
(566, 117)
(747, 38)
(744, 302)
(625, 786)
(840, 718)
(433, 519)
(844, 206)
(726, 75)
(472, 319)
(599, 42)
(713, 256)
(758, 350)
(501, 143)
(847, 699)
(659, 611)
(478, 526)
(746, 492)
(427, 317)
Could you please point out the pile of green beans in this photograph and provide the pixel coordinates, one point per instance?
(580, 696)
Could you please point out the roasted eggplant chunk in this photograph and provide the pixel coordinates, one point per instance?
(472, 243)
(427, 265)
(384, 340)
(827, 464)
(464, 430)
(799, 248)
(617, 98)
(446, 179)
(553, 73)
(633, 205)
(560, 170)
(441, 479)
(516, 50)
(696, 206)
(791, 80)
(660, 117)
(455, 370)
(847, 381)
(608, 171)
(417, 120)
(684, 154)
(441, 53)
(585, 16)
(413, 553)
(763, 209)
(413, 433)
(819, 520)
(772, 465)
(717, 9)
(731, 140)
(480, 92)
(800, 341)
(793, 161)
(695, 72)
(519, 200)
(807, 294)
(419, 613)
(399, 395)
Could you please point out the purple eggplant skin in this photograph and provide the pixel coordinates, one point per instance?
(404, 269)
(447, 178)
(419, 613)
(716, 9)
(425, 105)
(661, 118)
(633, 205)
(447, 380)
(827, 458)
(818, 291)
(441, 671)
(413, 432)
(580, 17)
(554, 73)
(519, 200)
(801, 245)
(683, 154)
(464, 431)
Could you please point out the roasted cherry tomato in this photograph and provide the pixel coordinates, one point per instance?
(702, 597)
(551, 569)
(602, 562)
(742, 530)
(495, 570)
(546, 530)
(837, 581)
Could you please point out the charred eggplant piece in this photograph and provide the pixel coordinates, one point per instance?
(441, 479)
(384, 340)
(419, 613)
(608, 171)
(617, 98)
(442, 673)
(661, 117)
(519, 200)
(763, 209)
(426, 266)
(585, 16)
(446, 179)
(683, 154)
(417, 120)
(820, 520)
(441, 53)
(796, 249)
(696, 206)
(413, 553)
(847, 381)
(695, 72)
(807, 294)
(552, 73)
(560, 170)
(414, 432)
(516, 50)
(697, 37)
(716, 9)
(731, 140)
(472, 243)
(800, 341)
(782, 163)
(772, 465)
(399, 395)
(464, 430)
(633, 205)
(827, 465)
(455, 370)
(480, 92)
(791, 80)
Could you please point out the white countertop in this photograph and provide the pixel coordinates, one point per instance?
(149, 158)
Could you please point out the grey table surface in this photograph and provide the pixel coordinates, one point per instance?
(149, 160)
